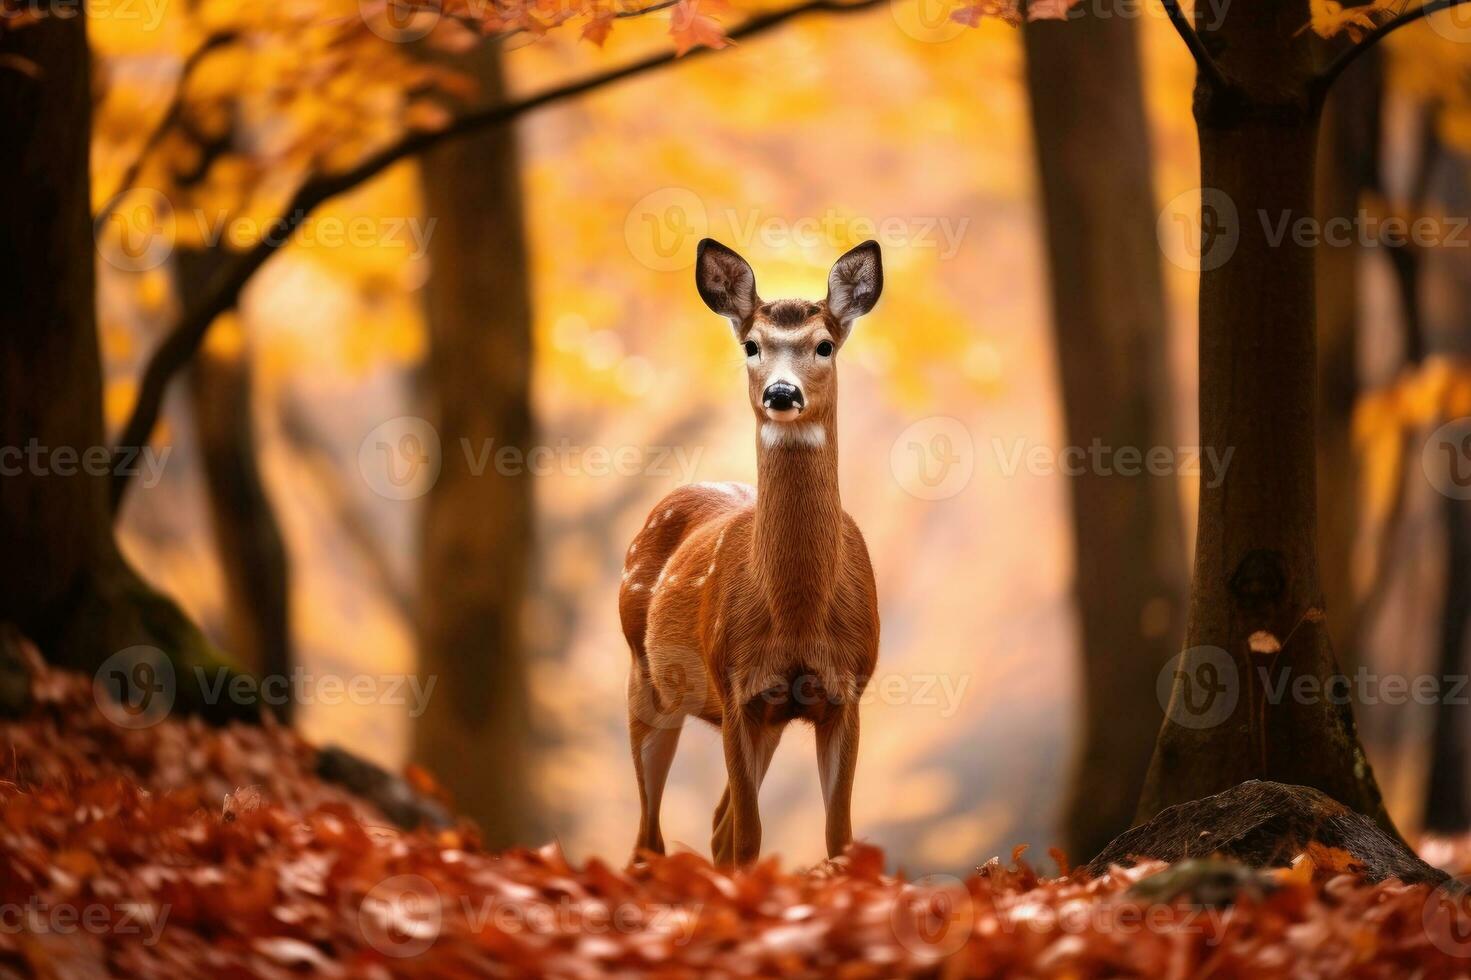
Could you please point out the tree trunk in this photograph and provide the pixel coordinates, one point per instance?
(1445, 797)
(1270, 715)
(1347, 167)
(64, 582)
(475, 735)
(1109, 326)
(248, 540)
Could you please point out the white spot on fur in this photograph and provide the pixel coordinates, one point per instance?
(810, 434)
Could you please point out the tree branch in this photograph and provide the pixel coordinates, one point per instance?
(183, 342)
(167, 121)
(1203, 60)
(1325, 78)
(175, 110)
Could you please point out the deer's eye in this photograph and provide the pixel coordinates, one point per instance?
(825, 349)
(751, 349)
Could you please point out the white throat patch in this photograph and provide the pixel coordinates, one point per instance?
(810, 434)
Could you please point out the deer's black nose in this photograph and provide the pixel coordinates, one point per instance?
(781, 396)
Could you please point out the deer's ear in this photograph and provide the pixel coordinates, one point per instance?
(726, 282)
(854, 284)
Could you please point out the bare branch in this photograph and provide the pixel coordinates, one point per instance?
(175, 111)
(1325, 78)
(170, 118)
(184, 340)
(1203, 60)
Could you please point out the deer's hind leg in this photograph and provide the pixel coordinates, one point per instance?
(749, 747)
(654, 735)
(837, 758)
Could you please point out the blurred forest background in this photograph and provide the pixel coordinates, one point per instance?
(274, 527)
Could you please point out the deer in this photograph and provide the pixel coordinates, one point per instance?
(750, 608)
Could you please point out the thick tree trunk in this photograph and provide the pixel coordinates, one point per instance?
(248, 540)
(1256, 586)
(63, 581)
(1445, 797)
(1109, 326)
(1346, 167)
(54, 526)
(475, 735)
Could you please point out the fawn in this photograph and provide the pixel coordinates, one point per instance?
(751, 608)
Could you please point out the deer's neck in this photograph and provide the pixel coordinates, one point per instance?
(799, 520)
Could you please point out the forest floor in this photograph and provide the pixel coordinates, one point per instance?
(181, 850)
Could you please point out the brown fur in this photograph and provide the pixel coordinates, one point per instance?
(754, 609)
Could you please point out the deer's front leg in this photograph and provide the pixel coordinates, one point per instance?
(746, 757)
(837, 757)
